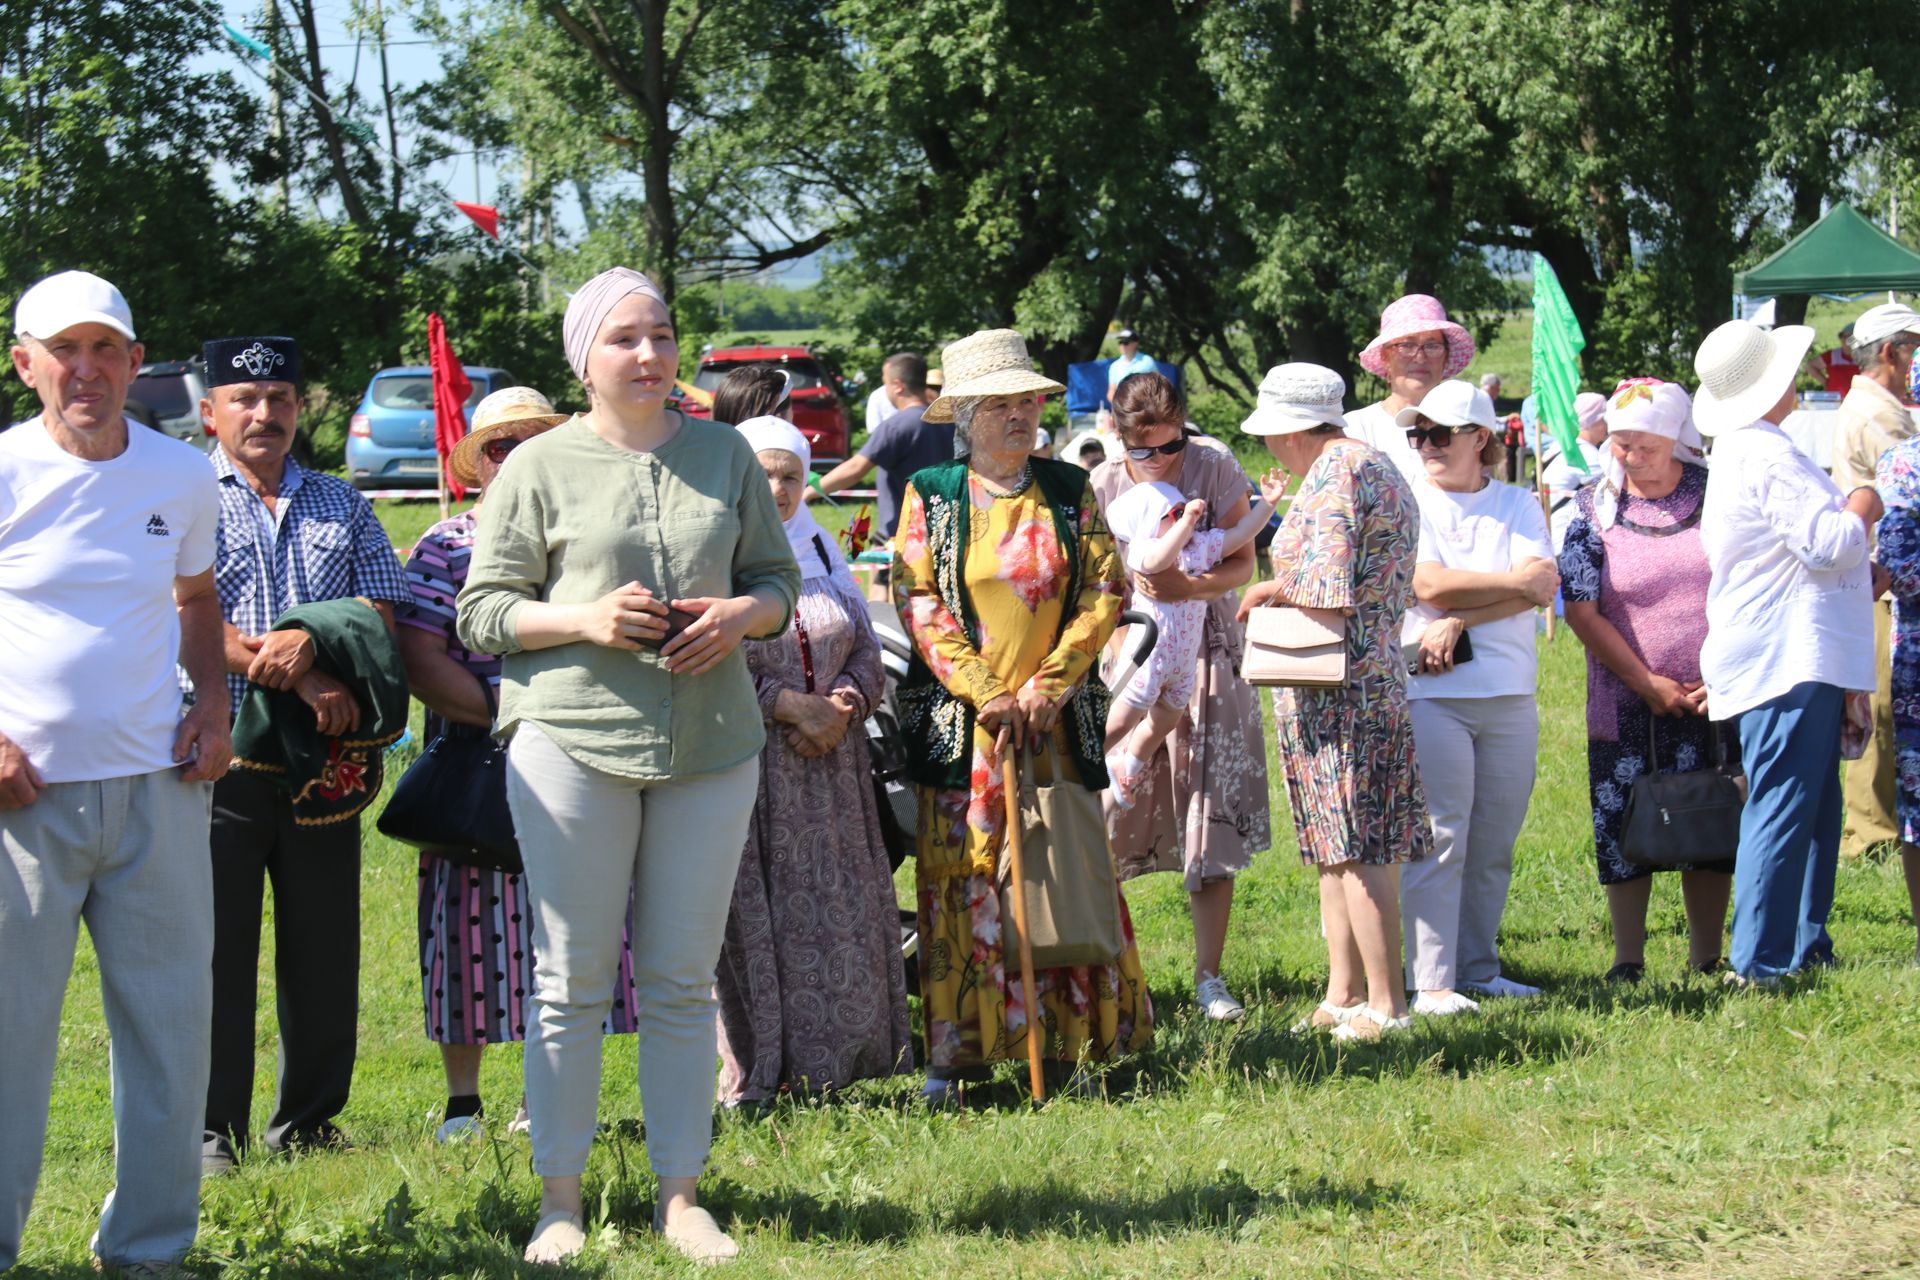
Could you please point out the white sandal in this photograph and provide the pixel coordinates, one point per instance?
(556, 1238)
(1381, 1023)
(697, 1236)
(1341, 1016)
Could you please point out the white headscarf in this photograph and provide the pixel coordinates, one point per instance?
(1657, 408)
(816, 550)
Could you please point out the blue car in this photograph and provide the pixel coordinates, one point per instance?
(390, 438)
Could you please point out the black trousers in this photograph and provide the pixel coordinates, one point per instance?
(316, 962)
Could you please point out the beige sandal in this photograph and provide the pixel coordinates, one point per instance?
(557, 1237)
(697, 1236)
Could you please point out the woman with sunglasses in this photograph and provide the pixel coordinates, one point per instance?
(1200, 807)
(1416, 347)
(476, 980)
(1485, 559)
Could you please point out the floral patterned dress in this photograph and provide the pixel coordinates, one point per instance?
(1898, 552)
(813, 994)
(1348, 542)
(1016, 576)
(1648, 573)
(1203, 808)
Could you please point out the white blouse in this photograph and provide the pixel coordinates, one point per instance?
(1789, 600)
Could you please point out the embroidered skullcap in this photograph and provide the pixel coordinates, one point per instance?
(231, 360)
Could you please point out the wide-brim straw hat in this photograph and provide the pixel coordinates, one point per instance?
(1417, 313)
(1297, 397)
(992, 362)
(1744, 370)
(494, 416)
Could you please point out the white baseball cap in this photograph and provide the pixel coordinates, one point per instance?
(1879, 323)
(69, 298)
(1452, 403)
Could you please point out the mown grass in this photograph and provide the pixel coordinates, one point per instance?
(1671, 1129)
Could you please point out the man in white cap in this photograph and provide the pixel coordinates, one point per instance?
(106, 576)
(1789, 634)
(1872, 419)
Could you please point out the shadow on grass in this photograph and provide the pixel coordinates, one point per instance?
(1052, 1208)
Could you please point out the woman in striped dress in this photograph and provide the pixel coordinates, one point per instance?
(476, 932)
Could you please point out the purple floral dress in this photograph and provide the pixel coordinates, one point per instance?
(813, 991)
(1348, 542)
(1648, 573)
(1898, 552)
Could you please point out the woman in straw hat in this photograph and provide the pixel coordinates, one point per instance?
(1008, 584)
(1202, 808)
(476, 982)
(813, 995)
(1416, 349)
(1347, 543)
(1789, 632)
(1635, 579)
(624, 557)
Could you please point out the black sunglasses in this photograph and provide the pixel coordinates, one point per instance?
(1170, 448)
(496, 450)
(1441, 435)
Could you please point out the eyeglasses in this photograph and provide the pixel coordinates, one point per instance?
(497, 449)
(1439, 433)
(1170, 448)
(1409, 349)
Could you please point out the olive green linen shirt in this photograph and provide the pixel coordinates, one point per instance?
(569, 518)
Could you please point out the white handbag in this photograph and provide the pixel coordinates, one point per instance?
(1296, 647)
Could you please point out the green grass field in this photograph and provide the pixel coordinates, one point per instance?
(1672, 1129)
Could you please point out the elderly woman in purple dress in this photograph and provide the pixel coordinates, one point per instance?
(1634, 576)
(813, 992)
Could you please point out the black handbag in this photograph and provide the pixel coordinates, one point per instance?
(452, 801)
(1677, 819)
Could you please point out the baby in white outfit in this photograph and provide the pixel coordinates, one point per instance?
(1162, 529)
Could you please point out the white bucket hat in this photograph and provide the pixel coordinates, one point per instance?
(1744, 370)
(1297, 397)
(992, 362)
(1452, 403)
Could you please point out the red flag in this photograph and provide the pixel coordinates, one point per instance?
(451, 388)
(485, 216)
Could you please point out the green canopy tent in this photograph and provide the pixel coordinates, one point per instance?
(1843, 253)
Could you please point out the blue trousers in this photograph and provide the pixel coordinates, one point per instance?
(1789, 832)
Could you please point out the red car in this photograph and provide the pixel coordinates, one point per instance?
(817, 408)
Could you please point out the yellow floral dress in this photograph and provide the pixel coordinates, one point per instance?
(1016, 577)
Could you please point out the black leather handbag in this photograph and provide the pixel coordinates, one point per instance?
(1676, 819)
(452, 801)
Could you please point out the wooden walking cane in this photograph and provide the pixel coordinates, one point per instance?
(1010, 784)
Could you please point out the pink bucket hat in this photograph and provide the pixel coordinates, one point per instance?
(1417, 313)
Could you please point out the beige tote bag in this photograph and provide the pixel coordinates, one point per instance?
(1073, 903)
(1296, 647)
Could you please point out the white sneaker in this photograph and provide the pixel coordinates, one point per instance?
(520, 1123)
(458, 1129)
(1217, 1000)
(1503, 986)
(1439, 1006)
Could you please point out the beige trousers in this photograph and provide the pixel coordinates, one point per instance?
(1869, 811)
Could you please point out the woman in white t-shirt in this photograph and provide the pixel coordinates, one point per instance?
(1484, 561)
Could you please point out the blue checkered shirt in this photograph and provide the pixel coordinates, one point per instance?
(320, 542)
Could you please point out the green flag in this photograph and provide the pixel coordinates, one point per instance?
(1557, 343)
(247, 42)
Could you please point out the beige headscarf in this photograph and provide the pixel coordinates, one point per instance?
(587, 310)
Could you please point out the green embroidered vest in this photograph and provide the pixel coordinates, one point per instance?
(937, 726)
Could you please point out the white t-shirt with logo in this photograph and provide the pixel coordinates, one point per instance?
(1485, 532)
(1375, 426)
(88, 632)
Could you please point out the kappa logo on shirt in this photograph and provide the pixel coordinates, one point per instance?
(157, 526)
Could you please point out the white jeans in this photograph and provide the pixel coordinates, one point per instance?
(586, 836)
(130, 857)
(1477, 758)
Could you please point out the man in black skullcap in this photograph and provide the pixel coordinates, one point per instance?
(288, 536)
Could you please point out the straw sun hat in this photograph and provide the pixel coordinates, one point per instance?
(493, 417)
(1744, 370)
(992, 362)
